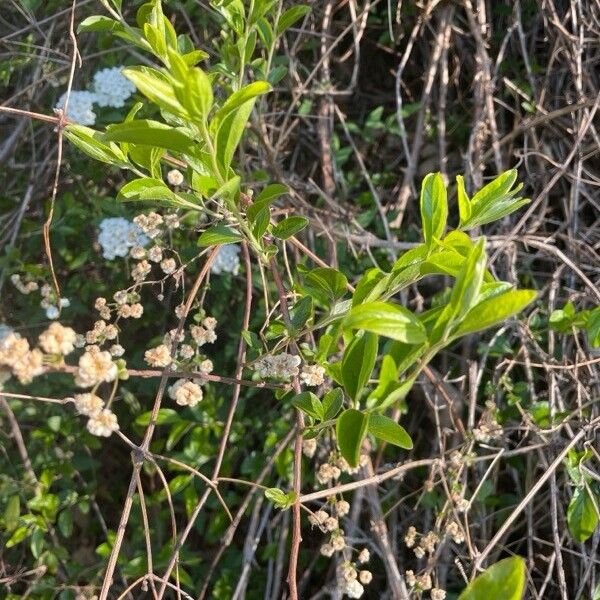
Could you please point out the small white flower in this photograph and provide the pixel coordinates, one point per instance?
(365, 577)
(226, 260)
(58, 339)
(168, 265)
(186, 392)
(354, 589)
(342, 508)
(159, 356)
(364, 556)
(312, 375)
(103, 423)
(175, 177)
(327, 550)
(88, 404)
(52, 312)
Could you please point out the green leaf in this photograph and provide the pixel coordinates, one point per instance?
(358, 362)
(279, 498)
(288, 227)
(351, 428)
(264, 200)
(148, 188)
(386, 429)
(290, 16)
(65, 523)
(494, 310)
(164, 417)
(434, 207)
(332, 403)
(36, 543)
(464, 204)
(218, 234)
(12, 512)
(230, 121)
(18, 536)
(503, 581)
(90, 142)
(494, 201)
(468, 282)
(300, 314)
(150, 133)
(389, 320)
(98, 23)
(581, 515)
(157, 87)
(308, 403)
(325, 284)
(592, 327)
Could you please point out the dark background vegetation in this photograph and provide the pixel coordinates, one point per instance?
(376, 95)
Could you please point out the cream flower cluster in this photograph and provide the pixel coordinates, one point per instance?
(185, 392)
(111, 87)
(117, 235)
(80, 106)
(226, 260)
(95, 366)
(26, 363)
(49, 302)
(15, 354)
(277, 366)
(312, 375)
(102, 421)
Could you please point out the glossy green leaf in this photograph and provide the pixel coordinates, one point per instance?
(494, 310)
(308, 403)
(326, 284)
(12, 512)
(218, 234)
(157, 87)
(290, 16)
(230, 121)
(504, 580)
(434, 207)
(18, 536)
(468, 281)
(387, 430)
(150, 133)
(279, 498)
(263, 200)
(464, 204)
(332, 403)
(164, 417)
(149, 189)
(351, 428)
(581, 514)
(98, 23)
(91, 143)
(288, 227)
(358, 362)
(390, 320)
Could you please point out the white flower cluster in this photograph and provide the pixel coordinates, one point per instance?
(111, 87)
(102, 421)
(185, 392)
(312, 375)
(80, 107)
(118, 235)
(50, 303)
(95, 366)
(279, 366)
(226, 260)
